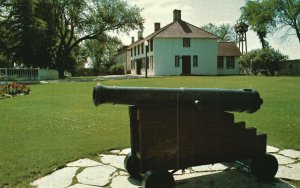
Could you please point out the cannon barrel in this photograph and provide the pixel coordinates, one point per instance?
(238, 100)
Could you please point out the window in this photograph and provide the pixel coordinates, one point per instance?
(135, 51)
(220, 62)
(138, 49)
(195, 61)
(142, 48)
(131, 51)
(151, 62)
(186, 42)
(177, 63)
(151, 45)
(230, 62)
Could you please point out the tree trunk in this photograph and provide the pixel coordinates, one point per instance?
(60, 68)
(298, 34)
(59, 62)
(61, 73)
(261, 36)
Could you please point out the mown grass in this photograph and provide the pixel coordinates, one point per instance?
(58, 123)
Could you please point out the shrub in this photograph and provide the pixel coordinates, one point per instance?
(116, 69)
(267, 61)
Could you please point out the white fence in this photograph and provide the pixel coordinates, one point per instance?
(28, 74)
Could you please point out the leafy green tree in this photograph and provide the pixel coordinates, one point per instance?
(259, 15)
(287, 15)
(225, 32)
(81, 20)
(24, 38)
(5, 33)
(22, 31)
(101, 53)
(249, 63)
(267, 59)
(271, 60)
(49, 33)
(268, 16)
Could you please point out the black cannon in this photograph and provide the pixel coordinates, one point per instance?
(173, 129)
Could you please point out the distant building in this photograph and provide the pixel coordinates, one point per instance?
(292, 67)
(181, 48)
(123, 58)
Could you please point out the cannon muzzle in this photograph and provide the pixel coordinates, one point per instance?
(238, 100)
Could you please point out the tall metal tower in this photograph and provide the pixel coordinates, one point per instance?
(241, 29)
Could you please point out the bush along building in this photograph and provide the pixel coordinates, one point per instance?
(180, 48)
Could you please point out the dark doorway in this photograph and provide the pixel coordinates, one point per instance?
(138, 67)
(186, 65)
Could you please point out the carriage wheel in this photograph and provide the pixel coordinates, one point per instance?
(264, 167)
(158, 179)
(132, 165)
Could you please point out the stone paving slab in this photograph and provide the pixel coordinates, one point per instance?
(288, 173)
(115, 151)
(272, 149)
(290, 153)
(184, 177)
(295, 165)
(109, 172)
(125, 151)
(99, 176)
(282, 160)
(58, 179)
(84, 163)
(209, 168)
(82, 186)
(113, 160)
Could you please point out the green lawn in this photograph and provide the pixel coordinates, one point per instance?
(58, 122)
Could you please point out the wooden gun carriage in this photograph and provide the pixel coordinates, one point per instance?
(173, 129)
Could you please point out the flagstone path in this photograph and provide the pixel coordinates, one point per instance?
(109, 172)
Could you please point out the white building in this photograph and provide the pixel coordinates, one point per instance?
(228, 55)
(181, 48)
(123, 58)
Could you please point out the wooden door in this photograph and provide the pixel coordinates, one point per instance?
(186, 65)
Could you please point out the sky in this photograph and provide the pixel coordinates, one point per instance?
(202, 12)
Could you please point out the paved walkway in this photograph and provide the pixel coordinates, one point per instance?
(109, 172)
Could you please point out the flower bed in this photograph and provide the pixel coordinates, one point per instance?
(13, 89)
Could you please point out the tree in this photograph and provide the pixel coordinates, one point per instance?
(23, 30)
(271, 60)
(101, 53)
(225, 32)
(5, 33)
(265, 16)
(24, 38)
(288, 15)
(249, 65)
(267, 59)
(259, 15)
(81, 20)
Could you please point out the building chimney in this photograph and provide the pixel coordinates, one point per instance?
(156, 26)
(132, 39)
(140, 35)
(176, 15)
